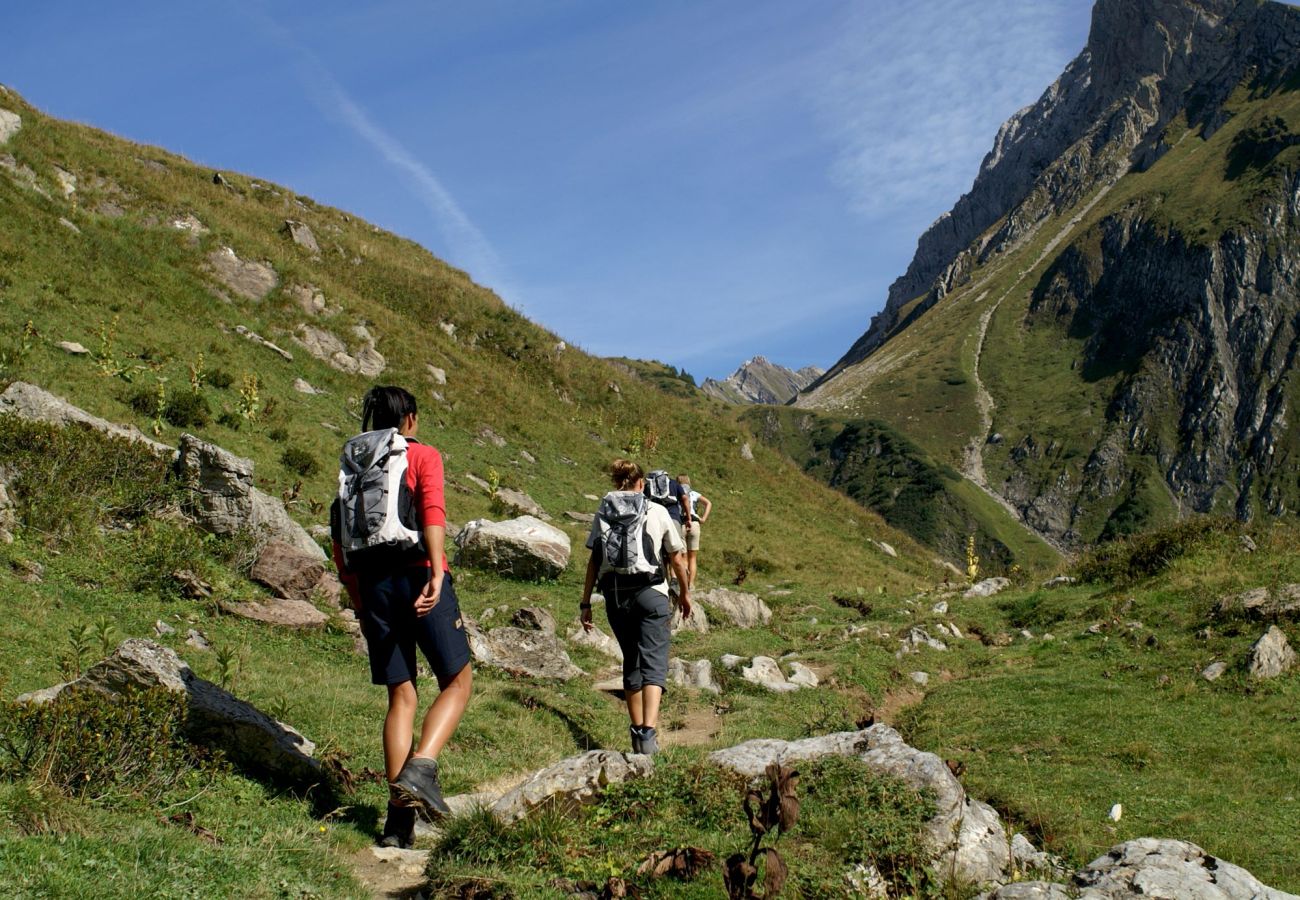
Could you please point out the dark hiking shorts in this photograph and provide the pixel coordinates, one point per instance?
(640, 621)
(393, 630)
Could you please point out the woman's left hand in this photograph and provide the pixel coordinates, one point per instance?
(429, 596)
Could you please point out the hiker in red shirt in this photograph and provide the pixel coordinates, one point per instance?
(404, 599)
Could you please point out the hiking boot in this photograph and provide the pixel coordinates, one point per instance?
(649, 741)
(418, 783)
(399, 827)
(635, 732)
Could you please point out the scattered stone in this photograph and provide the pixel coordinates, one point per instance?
(917, 638)
(921, 678)
(528, 457)
(217, 178)
(887, 549)
(534, 618)
(478, 482)
(1271, 655)
(698, 621)
(744, 610)
(72, 348)
(580, 517)
(70, 225)
(491, 437)
(1095, 628)
(525, 547)
(223, 500)
(250, 280)
(1154, 867)
(940, 608)
(1248, 602)
(520, 503)
(109, 210)
(448, 329)
(1026, 634)
(764, 672)
(746, 452)
(988, 587)
(943, 630)
(292, 574)
(22, 173)
(698, 674)
(301, 234)
(803, 676)
(10, 124)
(197, 640)
(1248, 544)
(303, 387)
(189, 223)
(27, 401)
(307, 297)
(279, 611)
(162, 629)
(1059, 581)
(731, 660)
(865, 880)
(591, 497)
(572, 782)
(596, 640)
(330, 349)
(530, 654)
(1029, 858)
(216, 717)
(263, 342)
(439, 376)
(8, 509)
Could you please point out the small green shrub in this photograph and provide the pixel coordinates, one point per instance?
(144, 401)
(88, 747)
(278, 434)
(187, 409)
(219, 379)
(297, 460)
(230, 419)
(1144, 555)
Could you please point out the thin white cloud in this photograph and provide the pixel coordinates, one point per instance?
(914, 93)
(468, 247)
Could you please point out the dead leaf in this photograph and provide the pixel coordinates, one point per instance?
(738, 877)
(683, 862)
(187, 821)
(774, 874)
(757, 813)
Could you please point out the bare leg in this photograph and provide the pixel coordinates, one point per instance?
(690, 567)
(650, 696)
(402, 702)
(444, 715)
(634, 707)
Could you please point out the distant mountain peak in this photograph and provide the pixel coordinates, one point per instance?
(758, 380)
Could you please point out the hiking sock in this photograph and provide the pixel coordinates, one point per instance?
(649, 740)
(399, 827)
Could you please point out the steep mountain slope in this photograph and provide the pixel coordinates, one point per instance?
(759, 380)
(1102, 332)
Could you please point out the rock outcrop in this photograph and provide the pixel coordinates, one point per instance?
(27, 401)
(522, 652)
(743, 610)
(366, 360)
(10, 124)
(525, 547)
(245, 278)
(216, 718)
(223, 500)
(571, 782)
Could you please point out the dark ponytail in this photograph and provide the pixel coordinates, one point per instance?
(385, 406)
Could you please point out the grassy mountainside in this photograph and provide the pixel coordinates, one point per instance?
(884, 471)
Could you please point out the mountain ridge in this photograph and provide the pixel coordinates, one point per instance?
(759, 380)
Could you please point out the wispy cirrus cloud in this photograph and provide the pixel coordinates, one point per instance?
(468, 247)
(913, 93)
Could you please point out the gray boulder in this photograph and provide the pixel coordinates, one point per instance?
(27, 401)
(8, 509)
(525, 547)
(988, 587)
(697, 621)
(300, 233)
(223, 499)
(216, 717)
(250, 280)
(519, 503)
(1271, 655)
(698, 674)
(764, 672)
(744, 610)
(280, 611)
(534, 618)
(1031, 890)
(1151, 867)
(1214, 671)
(530, 654)
(10, 124)
(290, 573)
(572, 782)
(803, 676)
(965, 837)
(597, 640)
(330, 349)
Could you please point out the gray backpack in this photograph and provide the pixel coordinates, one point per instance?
(626, 551)
(376, 516)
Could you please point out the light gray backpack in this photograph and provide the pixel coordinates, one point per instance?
(377, 519)
(626, 550)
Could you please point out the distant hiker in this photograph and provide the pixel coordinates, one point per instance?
(389, 524)
(694, 501)
(668, 493)
(631, 541)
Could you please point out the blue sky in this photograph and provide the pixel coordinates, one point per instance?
(742, 176)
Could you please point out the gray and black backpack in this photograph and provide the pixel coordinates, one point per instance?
(374, 516)
(659, 488)
(628, 558)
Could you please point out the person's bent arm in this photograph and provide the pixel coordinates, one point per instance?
(708, 508)
(434, 538)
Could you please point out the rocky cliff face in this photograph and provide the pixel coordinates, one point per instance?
(1145, 62)
(760, 381)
